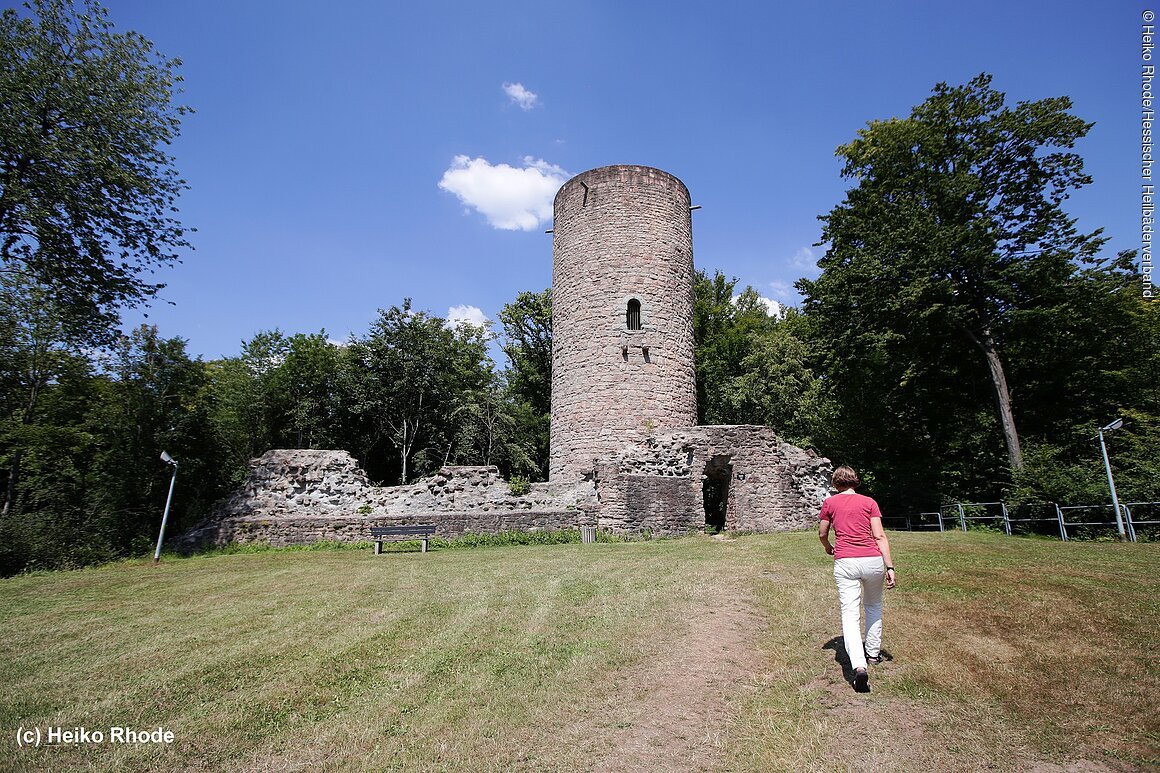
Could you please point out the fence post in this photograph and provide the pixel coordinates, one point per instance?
(1006, 519)
(941, 528)
(962, 516)
(1062, 525)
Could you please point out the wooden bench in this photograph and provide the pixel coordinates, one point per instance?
(416, 531)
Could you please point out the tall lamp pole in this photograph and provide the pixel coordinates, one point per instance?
(1115, 425)
(165, 457)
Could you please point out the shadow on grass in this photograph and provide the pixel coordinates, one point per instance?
(838, 645)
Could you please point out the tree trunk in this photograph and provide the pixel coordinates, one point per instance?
(986, 344)
(10, 489)
(403, 479)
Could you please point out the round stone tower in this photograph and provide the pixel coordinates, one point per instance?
(622, 314)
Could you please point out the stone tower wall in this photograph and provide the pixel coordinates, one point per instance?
(620, 233)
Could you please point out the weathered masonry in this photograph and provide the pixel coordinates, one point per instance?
(622, 314)
(625, 454)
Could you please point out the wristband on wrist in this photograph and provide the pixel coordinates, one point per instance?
(890, 568)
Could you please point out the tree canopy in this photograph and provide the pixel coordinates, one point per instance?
(961, 314)
(527, 342)
(87, 187)
(954, 226)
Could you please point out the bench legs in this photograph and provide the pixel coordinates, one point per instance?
(379, 546)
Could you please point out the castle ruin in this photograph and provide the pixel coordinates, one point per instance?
(626, 455)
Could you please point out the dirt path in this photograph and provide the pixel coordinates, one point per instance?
(670, 715)
(675, 711)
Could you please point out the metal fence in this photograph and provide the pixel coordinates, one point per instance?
(1065, 520)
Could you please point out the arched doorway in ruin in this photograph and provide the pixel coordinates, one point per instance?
(715, 491)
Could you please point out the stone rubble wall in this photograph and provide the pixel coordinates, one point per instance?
(657, 484)
(293, 497)
(661, 505)
(287, 530)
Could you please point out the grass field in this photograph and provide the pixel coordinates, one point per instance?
(698, 653)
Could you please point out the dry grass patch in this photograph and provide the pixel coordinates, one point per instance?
(1007, 654)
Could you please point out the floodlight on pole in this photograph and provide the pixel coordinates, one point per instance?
(165, 457)
(1115, 425)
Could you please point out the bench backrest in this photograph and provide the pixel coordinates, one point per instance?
(418, 529)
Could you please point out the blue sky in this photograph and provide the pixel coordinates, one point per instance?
(323, 133)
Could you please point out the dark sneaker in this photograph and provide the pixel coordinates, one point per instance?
(861, 681)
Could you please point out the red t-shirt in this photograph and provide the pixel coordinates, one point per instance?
(850, 516)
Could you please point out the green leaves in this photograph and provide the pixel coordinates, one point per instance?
(527, 342)
(87, 189)
(406, 377)
(751, 367)
(953, 296)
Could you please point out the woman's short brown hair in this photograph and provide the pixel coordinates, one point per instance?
(845, 477)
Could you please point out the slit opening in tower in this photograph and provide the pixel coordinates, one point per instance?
(715, 491)
(633, 315)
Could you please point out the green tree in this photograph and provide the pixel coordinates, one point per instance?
(312, 379)
(407, 380)
(51, 496)
(488, 428)
(92, 486)
(39, 338)
(775, 385)
(233, 397)
(260, 401)
(280, 392)
(1086, 354)
(723, 323)
(955, 223)
(153, 398)
(87, 189)
(527, 342)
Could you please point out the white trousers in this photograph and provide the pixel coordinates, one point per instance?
(860, 584)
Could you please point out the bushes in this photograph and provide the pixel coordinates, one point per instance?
(519, 485)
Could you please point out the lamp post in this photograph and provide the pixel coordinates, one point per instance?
(165, 457)
(1115, 425)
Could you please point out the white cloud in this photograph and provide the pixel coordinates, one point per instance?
(511, 199)
(784, 291)
(521, 96)
(772, 307)
(473, 315)
(804, 260)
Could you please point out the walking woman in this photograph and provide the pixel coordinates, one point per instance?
(862, 563)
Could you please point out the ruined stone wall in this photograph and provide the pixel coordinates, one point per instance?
(286, 530)
(620, 233)
(657, 504)
(295, 497)
(657, 483)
